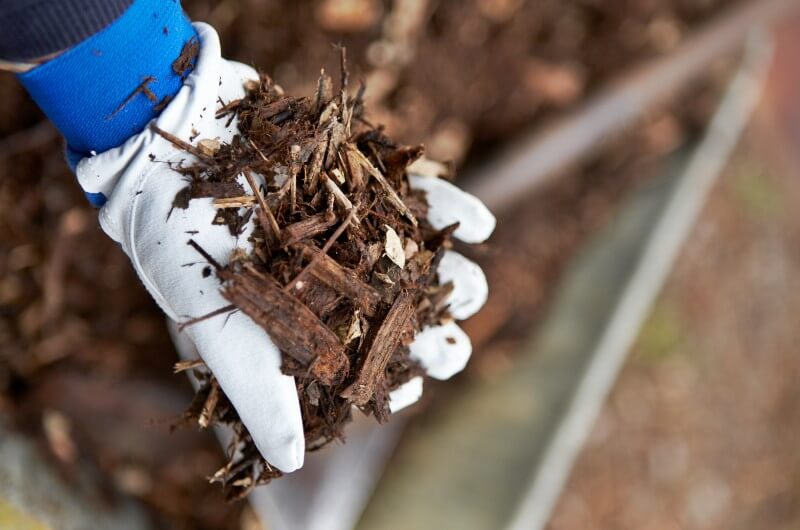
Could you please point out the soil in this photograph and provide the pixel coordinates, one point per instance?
(78, 333)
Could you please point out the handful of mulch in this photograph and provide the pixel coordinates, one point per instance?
(342, 273)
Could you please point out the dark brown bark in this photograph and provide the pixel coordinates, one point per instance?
(396, 324)
(290, 324)
(309, 227)
(343, 280)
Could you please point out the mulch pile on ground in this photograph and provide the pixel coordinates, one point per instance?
(342, 271)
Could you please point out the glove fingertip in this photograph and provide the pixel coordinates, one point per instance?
(287, 457)
(449, 204)
(480, 224)
(470, 287)
(406, 395)
(442, 350)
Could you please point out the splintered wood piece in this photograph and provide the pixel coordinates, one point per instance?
(336, 191)
(259, 151)
(329, 113)
(309, 227)
(292, 181)
(234, 202)
(182, 366)
(391, 194)
(324, 91)
(217, 312)
(209, 406)
(343, 280)
(317, 158)
(387, 339)
(177, 142)
(293, 193)
(355, 171)
(228, 107)
(270, 110)
(337, 138)
(339, 231)
(401, 158)
(290, 324)
(269, 224)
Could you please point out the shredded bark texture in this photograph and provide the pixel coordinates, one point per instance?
(343, 268)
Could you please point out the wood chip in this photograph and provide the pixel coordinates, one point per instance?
(391, 194)
(309, 227)
(290, 324)
(344, 281)
(210, 406)
(209, 146)
(387, 339)
(235, 202)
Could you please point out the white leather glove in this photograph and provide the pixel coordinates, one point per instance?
(139, 215)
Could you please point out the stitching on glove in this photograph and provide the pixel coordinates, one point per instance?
(140, 184)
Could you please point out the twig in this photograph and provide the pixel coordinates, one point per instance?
(216, 312)
(234, 202)
(182, 366)
(336, 191)
(177, 142)
(273, 224)
(346, 114)
(391, 195)
(192, 243)
(227, 107)
(260, 153)
(308, 227)
(383, 346)
(339, 231)
(141, 89)
(210, 405)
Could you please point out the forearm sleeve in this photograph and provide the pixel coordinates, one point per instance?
(30, 29)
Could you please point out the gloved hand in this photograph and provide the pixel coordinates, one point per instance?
(141, 187)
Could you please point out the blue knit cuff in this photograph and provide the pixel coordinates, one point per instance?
(107, 88)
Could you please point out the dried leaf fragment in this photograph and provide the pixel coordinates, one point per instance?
(394, 247)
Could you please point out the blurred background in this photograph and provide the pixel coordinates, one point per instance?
(638, 362)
